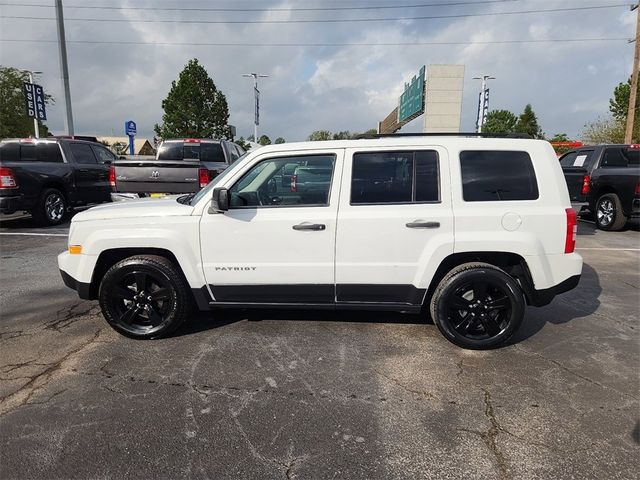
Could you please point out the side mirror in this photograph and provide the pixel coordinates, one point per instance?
(220, 200)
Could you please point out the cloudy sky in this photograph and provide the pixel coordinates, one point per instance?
(345, 87)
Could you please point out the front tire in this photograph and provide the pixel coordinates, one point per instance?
(609, 214)
(144, 297)
(477, 306)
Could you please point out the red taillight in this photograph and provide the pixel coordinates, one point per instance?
(572, 231)
(294, 183)
(112, 177)
(586, 185)
(191, 140)
(637, 190)
(203, 177)
(7, 178)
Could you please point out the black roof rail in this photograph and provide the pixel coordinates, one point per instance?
(447, 134)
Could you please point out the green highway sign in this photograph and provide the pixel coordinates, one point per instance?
(412, 100)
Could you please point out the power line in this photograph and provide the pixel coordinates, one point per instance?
(292, 9)
(334, 20)
(393, 44)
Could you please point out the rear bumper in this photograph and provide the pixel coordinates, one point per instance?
(635, 207)
(10, 205)
(83, 289)
(156, 187)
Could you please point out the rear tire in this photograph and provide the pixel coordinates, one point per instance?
(477, 306)
(51, 208)
(144, 297)
(609, 215)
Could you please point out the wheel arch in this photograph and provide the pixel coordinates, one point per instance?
(512, 263)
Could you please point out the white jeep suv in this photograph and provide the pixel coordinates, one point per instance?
(470, 229)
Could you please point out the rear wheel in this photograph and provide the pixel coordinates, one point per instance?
(477, 306)
(51, 208)
(609, 214)
(144, 297)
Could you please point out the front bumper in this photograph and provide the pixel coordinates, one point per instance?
(83, 289)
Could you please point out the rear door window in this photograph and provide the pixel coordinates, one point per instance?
(83, 154)
(620, 157)
(496, 175)
(49, 152)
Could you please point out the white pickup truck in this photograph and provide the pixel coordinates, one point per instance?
(469, 229)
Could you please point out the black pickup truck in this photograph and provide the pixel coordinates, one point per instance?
(605, 180)
(47, 177)
(180, 166)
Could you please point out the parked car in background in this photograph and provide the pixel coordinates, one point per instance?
(47, 177)
(604, 179)
(180, 166)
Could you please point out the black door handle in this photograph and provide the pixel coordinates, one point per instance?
(310, 226)
(422, 224)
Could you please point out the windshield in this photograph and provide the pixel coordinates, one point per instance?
(206, 191)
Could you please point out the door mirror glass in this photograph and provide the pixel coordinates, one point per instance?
(220, 201)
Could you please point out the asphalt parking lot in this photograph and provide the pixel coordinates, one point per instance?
(296, 394)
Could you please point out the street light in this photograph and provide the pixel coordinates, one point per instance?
(256, 92)
(481, 105)
(35, 120)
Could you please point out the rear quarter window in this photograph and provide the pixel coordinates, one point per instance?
(171, 151)
(497, 175)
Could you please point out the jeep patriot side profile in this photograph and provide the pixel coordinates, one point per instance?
(470, 229)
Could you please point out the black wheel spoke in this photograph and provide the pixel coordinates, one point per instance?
(465, 324)
(155, 318)
(459, 303)
(121, 292)
(161, 294)
(500, 303)
(480, 290)
(141, 280)
(490, 325)
(129, 314)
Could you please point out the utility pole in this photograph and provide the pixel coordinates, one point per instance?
(483, 101)
(631, 112)
(36, 128)
(64, 69)
(256, 93)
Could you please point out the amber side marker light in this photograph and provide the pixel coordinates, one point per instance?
(75, 249)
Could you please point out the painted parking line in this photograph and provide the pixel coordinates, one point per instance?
(25, 234)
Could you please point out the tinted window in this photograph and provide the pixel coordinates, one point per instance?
(285, 181)
(497, 175)
(171, 151)
(49, 152)
(568, 159)
(395, 177)
(211, 152)
(82, 153)
(620, 157)
(103, 155)
(28, 153)
(9, 152)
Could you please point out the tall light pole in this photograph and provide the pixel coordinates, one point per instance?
(256, 93)
(631, 111)
(36, 128)
(483, 101)
(64, 69)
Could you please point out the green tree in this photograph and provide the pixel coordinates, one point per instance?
(604, 130)
(264, 140)
(14, 121)
(343, 135)
(500, 121)
(243, 143)
(528, 123)
(319, 135)
(279, 140)
(194, 107)
(619, 102)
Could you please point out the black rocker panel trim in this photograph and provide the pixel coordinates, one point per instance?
(319, 294)
(312, 293)
(368, 293)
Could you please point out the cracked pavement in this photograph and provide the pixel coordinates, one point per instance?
(295, 394)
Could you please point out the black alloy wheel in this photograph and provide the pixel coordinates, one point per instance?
(478, 306)
(144, 297)
(51, 208)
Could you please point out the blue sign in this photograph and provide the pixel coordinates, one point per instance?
(34, 98)
(130, 127)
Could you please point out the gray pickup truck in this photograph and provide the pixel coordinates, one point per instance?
(180, 166)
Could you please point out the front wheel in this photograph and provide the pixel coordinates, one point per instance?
(144, 297)
(609, 214)
(477, 306)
